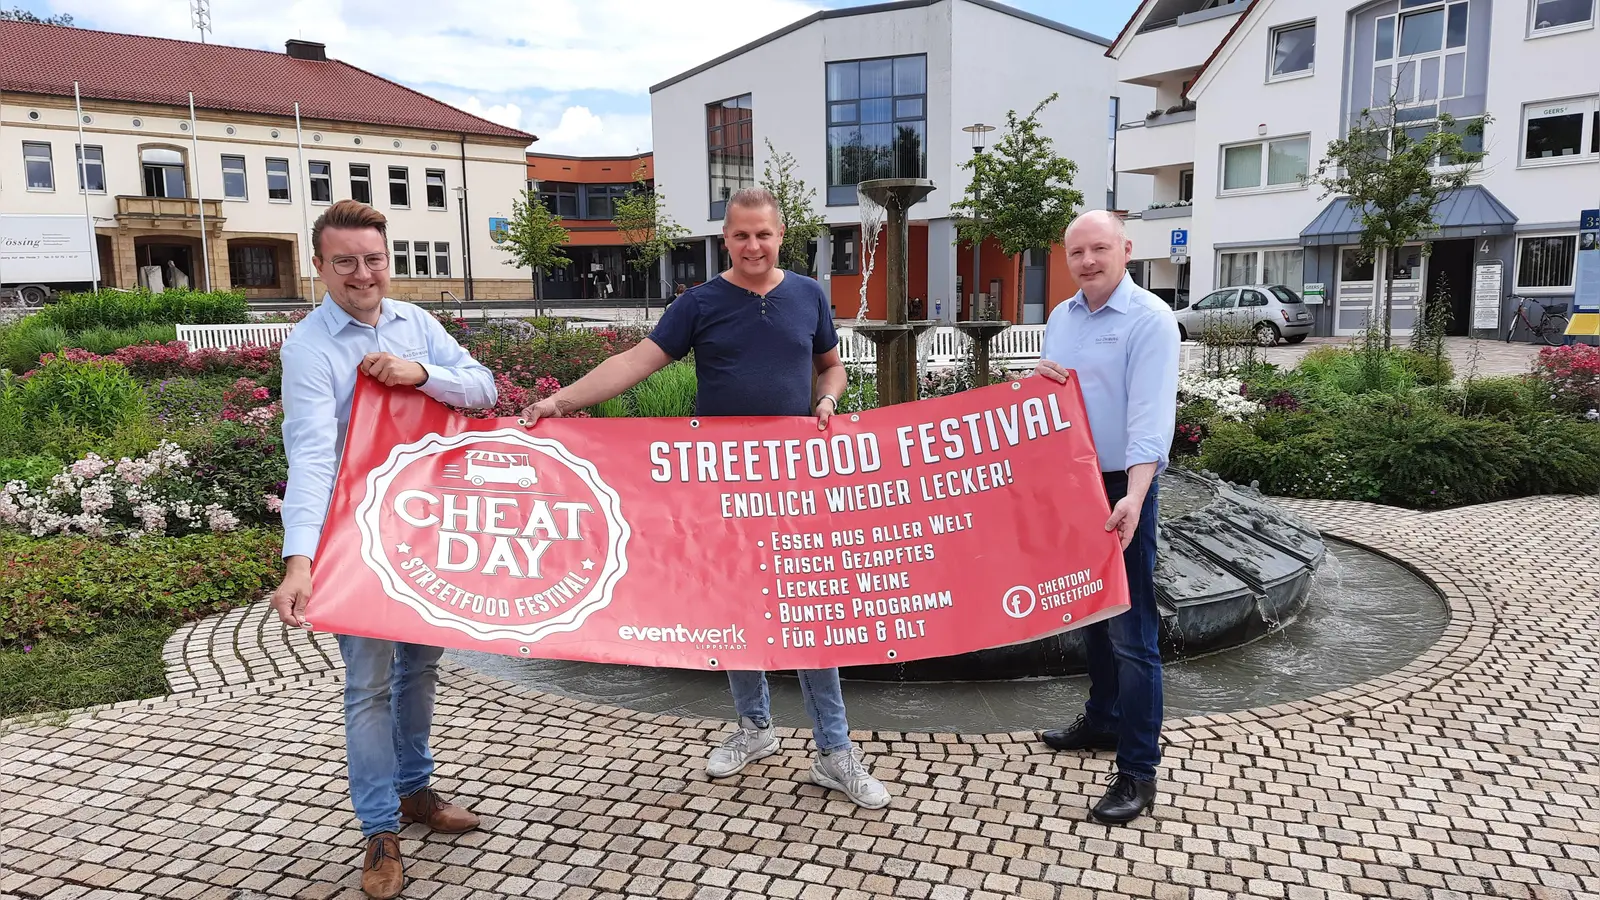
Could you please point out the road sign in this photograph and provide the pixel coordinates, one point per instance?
(1180, 237)
(1180, 255)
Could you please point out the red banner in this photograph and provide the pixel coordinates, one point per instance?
(913, 531)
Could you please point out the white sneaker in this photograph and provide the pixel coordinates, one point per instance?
(845, 771)
(742, 747)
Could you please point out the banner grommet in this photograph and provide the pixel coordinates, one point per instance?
(712, 662)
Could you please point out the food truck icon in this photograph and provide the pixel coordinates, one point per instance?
(494, 467)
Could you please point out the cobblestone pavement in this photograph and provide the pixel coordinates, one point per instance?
(1472, 772)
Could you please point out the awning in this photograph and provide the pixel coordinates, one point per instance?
(1466, 213)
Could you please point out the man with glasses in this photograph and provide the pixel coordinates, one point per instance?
(389, 686)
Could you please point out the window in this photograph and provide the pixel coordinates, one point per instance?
(560, 198)
(234, 186)
(91, 169)
(252, 265)
(321, 181)
(163, 172)
(1555, 16)
(877, 125)
(1236, 268)
(278, 180)
(1272, 164)
(1186, 186)
(402, 258)
(844, 250)
(1555, 132)
(1546, 263)
(441, 259)
(600, 200)
(1218, 300)
(361, 183)
(1293, 50)
(399, 186)
(730, 149)
(1428, 46)
(41, 172)
(419, 256)
(1285, 295)
(1286, 267)
(435, 189)
(1252, 298)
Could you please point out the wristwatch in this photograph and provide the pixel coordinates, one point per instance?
(830, 397)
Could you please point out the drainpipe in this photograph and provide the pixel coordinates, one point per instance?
(83, 188)
(466, 219)
(199, 195)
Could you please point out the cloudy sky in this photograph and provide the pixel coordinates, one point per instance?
(576, 73)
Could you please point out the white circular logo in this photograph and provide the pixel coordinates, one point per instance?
(1019, 602)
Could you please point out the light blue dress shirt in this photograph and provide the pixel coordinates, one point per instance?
(320, 360)
(1126, 357)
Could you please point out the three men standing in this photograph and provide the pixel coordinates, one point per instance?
(1123, 343)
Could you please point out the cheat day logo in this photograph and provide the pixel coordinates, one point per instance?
(498, 534)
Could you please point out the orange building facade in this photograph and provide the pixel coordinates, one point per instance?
(583, 191)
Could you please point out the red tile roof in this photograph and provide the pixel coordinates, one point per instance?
(46, 59)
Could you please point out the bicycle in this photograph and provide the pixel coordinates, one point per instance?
(1551, 328)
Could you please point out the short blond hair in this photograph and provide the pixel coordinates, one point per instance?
(351, 214)
(754, 198)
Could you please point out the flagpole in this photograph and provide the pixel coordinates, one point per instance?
(305, 204)
(83, 188)
(199, 196)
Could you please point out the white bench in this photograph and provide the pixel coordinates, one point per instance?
(944, 346)
(232, 337)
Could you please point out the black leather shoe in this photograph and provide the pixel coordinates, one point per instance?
(1080, 735)
(1124, 800)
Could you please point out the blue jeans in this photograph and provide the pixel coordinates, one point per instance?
(824, 703)
(1124, 652)
(388, 711)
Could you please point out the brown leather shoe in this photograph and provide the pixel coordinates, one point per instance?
(432, 810)
(383, 874)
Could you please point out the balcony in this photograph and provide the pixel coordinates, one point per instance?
(1170, 48)
(172, 213)
(1145, 148)
(1152, 238)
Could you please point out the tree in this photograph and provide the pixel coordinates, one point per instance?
(1395, 173)
(18, 14)
(534, 236)
(801, 224)
(646, 228)
(1027, 197)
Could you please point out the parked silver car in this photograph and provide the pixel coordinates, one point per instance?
(1272, 311)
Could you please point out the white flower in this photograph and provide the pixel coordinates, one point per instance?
(1224, 393)
(220, 519)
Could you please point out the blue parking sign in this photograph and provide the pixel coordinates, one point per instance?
(1180, 237)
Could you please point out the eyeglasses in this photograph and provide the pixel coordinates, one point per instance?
(346, 265)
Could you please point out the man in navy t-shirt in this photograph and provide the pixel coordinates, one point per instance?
(762, 337)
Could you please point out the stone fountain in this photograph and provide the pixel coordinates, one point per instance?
(896, 336)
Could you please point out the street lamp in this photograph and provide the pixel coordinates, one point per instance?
(979, 132)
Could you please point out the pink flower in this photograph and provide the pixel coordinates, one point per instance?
(260, 393)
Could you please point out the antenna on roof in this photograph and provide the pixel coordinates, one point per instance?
(200, 17)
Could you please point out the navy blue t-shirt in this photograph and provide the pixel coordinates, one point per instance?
(753, 355)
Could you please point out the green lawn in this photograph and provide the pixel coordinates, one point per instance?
(121, 663)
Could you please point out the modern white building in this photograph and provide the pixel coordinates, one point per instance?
(439, 174)
(884, 91)
(1249, 95)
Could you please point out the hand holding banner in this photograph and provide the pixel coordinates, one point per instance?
(908, 532)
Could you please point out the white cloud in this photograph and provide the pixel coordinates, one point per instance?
(581, 131)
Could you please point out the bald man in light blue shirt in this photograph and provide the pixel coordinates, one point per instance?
(1122, 341)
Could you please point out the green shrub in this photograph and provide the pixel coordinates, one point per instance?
(1563, 457)
(104, 341)
(118, 309)
(71, 585)
(22, 343)
(183, 402)
(1358, 371)
(36, 470)
(615, 408)
(96, 397)
(668, 393)
(1428, 458)
(861, 390)
(1500, 396)
(1425, 368)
